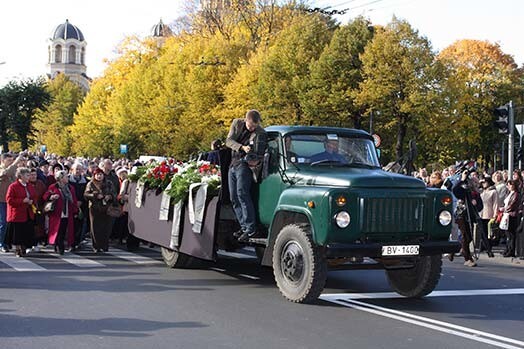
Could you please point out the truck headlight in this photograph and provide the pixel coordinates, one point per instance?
(444, 218)
(342, 219)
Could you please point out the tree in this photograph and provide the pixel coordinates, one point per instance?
(20, 101)
(401, 80)
(480, 76)
(53, 124)
(284, 71)
(335, 76)
(94, 124)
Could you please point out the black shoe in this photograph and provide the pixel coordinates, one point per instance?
(238, 233)
(490, 254)
(244, 237)
(257, 234)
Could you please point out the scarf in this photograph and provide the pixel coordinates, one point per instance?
(66, 193)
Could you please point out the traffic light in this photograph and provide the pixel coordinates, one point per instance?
(502, 123)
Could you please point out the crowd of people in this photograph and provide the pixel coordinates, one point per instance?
(490, 203)
(61, 201)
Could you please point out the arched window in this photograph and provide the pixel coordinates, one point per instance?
(58, 54)
(82, 56)
(72, 54)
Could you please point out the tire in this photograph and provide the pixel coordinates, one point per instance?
(418, 281)
(300, 267)
(175, 259)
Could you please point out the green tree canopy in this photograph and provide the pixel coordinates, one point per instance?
(52, 125)
(335, 77)
(19, 102)
(401, 81)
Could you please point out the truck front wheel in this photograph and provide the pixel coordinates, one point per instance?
(418, 281)
(299, 266)
(175, 259)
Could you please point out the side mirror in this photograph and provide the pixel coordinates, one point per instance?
(265, 165)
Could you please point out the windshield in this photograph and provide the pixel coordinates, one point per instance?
(330, 149)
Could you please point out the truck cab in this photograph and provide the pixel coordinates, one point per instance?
(326, 186)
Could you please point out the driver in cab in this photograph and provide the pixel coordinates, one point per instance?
(330, 153)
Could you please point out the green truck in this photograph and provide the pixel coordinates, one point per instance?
(325, 204)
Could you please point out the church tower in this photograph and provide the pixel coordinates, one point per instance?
(67, 54)
(160, 32)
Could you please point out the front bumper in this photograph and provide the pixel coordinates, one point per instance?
(374, 250)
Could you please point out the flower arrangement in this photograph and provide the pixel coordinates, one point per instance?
(175, 178)
(194, 172)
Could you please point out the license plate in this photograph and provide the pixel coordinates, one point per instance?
(400, 250)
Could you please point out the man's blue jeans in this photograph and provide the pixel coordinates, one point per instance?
(3, 222)
(240, 182)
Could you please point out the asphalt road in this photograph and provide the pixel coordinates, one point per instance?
(124, 300)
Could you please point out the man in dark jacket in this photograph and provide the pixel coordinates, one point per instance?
(468, 208)
(248, 142)
(79, 183)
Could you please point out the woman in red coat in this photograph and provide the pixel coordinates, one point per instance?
(61, 219)
(21, 212)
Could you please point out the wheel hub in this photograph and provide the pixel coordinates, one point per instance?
(292, 262)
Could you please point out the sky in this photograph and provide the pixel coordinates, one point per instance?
(26, 25)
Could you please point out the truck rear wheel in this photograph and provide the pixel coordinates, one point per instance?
(418, 281)
(175, 259)
(299, 266)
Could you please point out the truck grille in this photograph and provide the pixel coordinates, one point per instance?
(391, 215)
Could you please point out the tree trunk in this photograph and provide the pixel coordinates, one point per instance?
(401, 134)
(357, 121)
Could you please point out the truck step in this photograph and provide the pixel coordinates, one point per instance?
(258, 241)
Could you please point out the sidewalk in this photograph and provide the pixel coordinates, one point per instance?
(499, 259)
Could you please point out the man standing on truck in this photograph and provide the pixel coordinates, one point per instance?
(248, 142)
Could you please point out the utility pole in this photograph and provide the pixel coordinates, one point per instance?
(371, 122)
(511, 137)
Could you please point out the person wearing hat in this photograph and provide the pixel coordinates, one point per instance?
(51, 177)
(61, 219)
(42, 171)
(100, 193)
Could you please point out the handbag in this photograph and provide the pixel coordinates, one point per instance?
(114, 211)
(49, 206)
(504, 222)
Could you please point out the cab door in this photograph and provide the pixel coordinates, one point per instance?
(271, 187)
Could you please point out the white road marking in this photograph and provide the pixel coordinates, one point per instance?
(348, 300)
(78, 260)
(20, 263)
(132, 257)
(386, 295)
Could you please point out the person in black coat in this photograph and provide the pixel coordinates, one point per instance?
(468, 207)
(79, 183)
